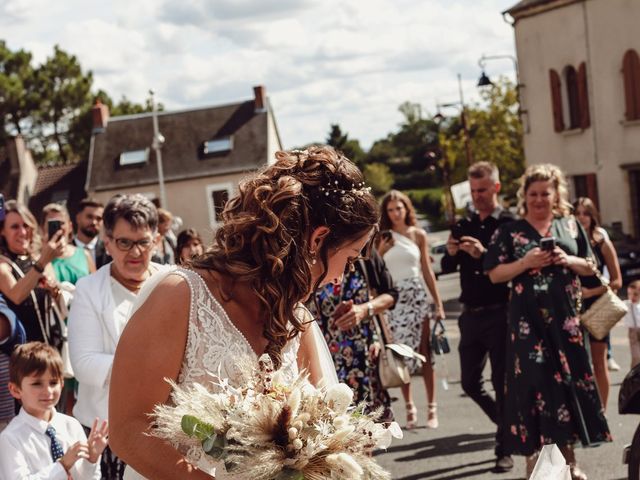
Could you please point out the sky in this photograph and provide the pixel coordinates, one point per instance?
(350, 62)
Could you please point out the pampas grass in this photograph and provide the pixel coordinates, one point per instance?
(270, 431)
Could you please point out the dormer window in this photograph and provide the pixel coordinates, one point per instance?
(217, 145)
(133, 157)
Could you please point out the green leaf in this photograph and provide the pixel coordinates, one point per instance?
(193, 427)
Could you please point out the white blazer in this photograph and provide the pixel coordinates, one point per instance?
(93, 337)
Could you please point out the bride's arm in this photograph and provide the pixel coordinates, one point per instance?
(314, 355)
(150, 349)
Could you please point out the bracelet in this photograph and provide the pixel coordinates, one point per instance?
(38, 267)
(370, 310)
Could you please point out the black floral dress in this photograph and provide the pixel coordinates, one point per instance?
(550, 391)
(350, 348)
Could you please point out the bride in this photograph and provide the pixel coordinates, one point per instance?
(293, 227)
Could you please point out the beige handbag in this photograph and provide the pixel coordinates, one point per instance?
(605, 312)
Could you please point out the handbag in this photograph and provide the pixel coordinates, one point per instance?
(439, 340)
(392, 368)
(605, 312)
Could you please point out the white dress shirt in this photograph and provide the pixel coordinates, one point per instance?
(25, 450)
(91, 246)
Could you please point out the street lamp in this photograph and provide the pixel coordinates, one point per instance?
(463, 118)
(485, 81)
(156, 144)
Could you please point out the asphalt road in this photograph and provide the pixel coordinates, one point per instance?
(462, 447)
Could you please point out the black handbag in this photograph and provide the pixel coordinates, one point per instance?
(629, 396)
(439, 340)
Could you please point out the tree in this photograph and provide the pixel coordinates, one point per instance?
(18, 96)
(351, 148)
(379, 177)
(65, 92)
(495, 136)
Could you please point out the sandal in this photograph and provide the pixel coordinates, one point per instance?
(412, 416)
(577, 473)
(432, 418)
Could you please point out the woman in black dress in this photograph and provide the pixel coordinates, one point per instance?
(550, 391)
(592, 288)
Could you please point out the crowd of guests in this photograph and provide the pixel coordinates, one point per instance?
(67, 292)
(45, 268)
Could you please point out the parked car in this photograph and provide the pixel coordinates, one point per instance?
(628, 251)
(438, 249)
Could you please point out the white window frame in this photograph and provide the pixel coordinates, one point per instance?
(129, 163)
(226, 142)
(228, 186)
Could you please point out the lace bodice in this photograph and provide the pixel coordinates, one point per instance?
(214, 344)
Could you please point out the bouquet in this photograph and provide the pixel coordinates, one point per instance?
(266, 430)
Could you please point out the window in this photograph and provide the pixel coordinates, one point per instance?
(586, 186)
(218, 145)
(572, 102)
(631, 74)
(217, 197)
(134, 157)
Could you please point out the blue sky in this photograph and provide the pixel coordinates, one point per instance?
(350, 62)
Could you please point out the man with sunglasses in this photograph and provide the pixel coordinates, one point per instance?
(103, 304)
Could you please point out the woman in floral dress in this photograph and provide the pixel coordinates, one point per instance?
(345, 318)
(550, 392)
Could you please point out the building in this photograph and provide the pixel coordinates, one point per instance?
(18, 172)
(580, 86)
(206, 151)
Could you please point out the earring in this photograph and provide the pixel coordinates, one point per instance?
(313, 258)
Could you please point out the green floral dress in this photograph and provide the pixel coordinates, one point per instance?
(550, 390)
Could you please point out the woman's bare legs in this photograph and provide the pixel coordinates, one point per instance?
(600, 370)
(429, 375)
(412, 412)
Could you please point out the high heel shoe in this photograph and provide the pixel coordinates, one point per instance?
(432, 416)
(412, 416)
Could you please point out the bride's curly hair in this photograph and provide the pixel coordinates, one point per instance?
(264, 239)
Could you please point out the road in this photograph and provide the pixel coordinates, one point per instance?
(462, 447)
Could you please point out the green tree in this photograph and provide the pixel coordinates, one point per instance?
(18, 95)
(379, 177)
(350, 147)
(65, 92)
(495, 136)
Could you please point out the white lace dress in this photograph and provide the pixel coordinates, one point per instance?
(214, 345)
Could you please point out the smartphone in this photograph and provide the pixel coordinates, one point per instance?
(2, 212)
(456, 232)
(548, 244)
(386, 235)
(53, 226)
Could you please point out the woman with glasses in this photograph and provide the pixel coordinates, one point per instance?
(102, 306)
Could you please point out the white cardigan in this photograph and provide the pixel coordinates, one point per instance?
(93, 337)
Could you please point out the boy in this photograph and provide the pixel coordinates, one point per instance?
(632, 320)
(40, 442)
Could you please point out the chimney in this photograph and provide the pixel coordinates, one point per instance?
(100, 115)
(260, 101)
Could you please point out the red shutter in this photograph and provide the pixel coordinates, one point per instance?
(556, 100)
(583, 96)
(592, 188)
(631, 73)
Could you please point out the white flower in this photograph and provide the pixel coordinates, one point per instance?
(297, 444)
(294, 402)
(344, 432)
(347, 466)
(340, 396)
(395, 430)
(293, 433)
(341, 421)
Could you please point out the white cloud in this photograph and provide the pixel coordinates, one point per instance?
(332, 61)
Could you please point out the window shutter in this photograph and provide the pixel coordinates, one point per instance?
(592, 188)
(631, 74)
(556, 100)
(583, 96)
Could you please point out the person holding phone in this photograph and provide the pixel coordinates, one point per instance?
(405, 247)
(551, 394)
(75, 262)
(483, 322)
(27, 280)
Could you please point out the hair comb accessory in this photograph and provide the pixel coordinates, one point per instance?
(356, 188)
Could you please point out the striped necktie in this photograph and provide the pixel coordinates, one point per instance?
(56, 448)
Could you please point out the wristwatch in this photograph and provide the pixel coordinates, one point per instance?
(370, 309)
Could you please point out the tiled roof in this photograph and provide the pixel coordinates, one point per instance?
(182, 157)
(50, 175)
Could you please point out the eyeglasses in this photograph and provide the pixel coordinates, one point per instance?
(126, 244)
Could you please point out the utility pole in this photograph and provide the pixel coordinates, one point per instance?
(156, 144)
